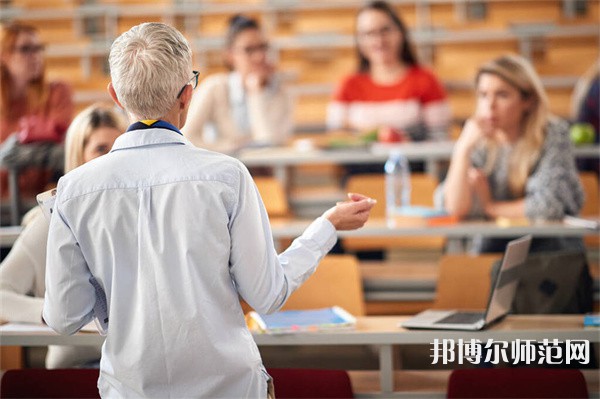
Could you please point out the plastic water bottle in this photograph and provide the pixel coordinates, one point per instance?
(397, 184)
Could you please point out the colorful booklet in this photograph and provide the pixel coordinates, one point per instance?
(591, 320)
(294, 321)
(422, 216)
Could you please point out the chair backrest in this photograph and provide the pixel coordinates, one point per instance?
(309, 383)
(273, 195)
(43, 383)
(11, 357)
(337, 282)
(373, 185)
(464, 281)
(517, 383)
(591, 205)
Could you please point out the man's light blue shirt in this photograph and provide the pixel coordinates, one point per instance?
(174, 235)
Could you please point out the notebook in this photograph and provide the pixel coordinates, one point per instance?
(294, 321)
(499, 303)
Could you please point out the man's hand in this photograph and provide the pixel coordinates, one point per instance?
(352, 214)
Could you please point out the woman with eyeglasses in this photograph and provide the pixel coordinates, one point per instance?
(248, 105)
(32, 109)
(22, 272)
(391, 92)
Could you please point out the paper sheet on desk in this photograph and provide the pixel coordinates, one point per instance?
(46, 201)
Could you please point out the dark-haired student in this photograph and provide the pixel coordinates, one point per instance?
(247, 105)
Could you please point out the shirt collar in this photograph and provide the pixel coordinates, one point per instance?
(147, 137)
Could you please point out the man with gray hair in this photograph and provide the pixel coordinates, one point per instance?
(172, 235)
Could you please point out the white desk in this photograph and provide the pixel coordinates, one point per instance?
(379, 331)
(279, 158)
(290, 228)
(286, 228)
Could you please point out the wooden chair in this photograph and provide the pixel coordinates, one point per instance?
(422, 188)
(11, 357)
(337, 282)
(591, 205)
(311, 383)
(517, 383)
(273, 195)
(464, 281)
(57, 383)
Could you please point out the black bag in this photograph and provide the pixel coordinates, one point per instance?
(551, 283)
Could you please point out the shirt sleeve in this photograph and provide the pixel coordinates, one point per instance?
(554, 189)
(264, 279)
(20, 273)
(70, 297)
(476, 211)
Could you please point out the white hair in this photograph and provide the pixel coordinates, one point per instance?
(149, 64)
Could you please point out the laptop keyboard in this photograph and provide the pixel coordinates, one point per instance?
(461, 318)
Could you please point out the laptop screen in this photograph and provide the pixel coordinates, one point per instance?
(505, 286)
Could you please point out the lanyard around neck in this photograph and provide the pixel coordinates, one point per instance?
(152, 124)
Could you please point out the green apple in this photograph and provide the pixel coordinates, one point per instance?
(582, 133)
(370, 136)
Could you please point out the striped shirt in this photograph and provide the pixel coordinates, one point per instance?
(416, 104)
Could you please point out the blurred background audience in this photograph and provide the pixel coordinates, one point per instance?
(246, 106)
(34, 112)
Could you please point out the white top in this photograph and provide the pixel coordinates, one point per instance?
(22, 288)
(235, 118)
(175, 235)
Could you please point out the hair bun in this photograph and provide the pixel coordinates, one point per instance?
(238, 19)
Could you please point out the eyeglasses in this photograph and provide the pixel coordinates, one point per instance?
(29, 49)
(193, 81)
(384, 31)
(250, 50)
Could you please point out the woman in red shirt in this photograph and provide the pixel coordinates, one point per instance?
(32, 110)
(390, 89)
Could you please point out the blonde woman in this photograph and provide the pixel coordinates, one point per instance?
(22, 273)
(512, 159)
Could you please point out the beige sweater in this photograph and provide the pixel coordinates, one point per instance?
(22, 288)
(239, 118)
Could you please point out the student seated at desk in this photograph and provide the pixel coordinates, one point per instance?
(248, 105)
(391, 89)
(22, 273)
(34, 112)
(513, 159)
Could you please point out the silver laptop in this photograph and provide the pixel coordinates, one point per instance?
(501, 297)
